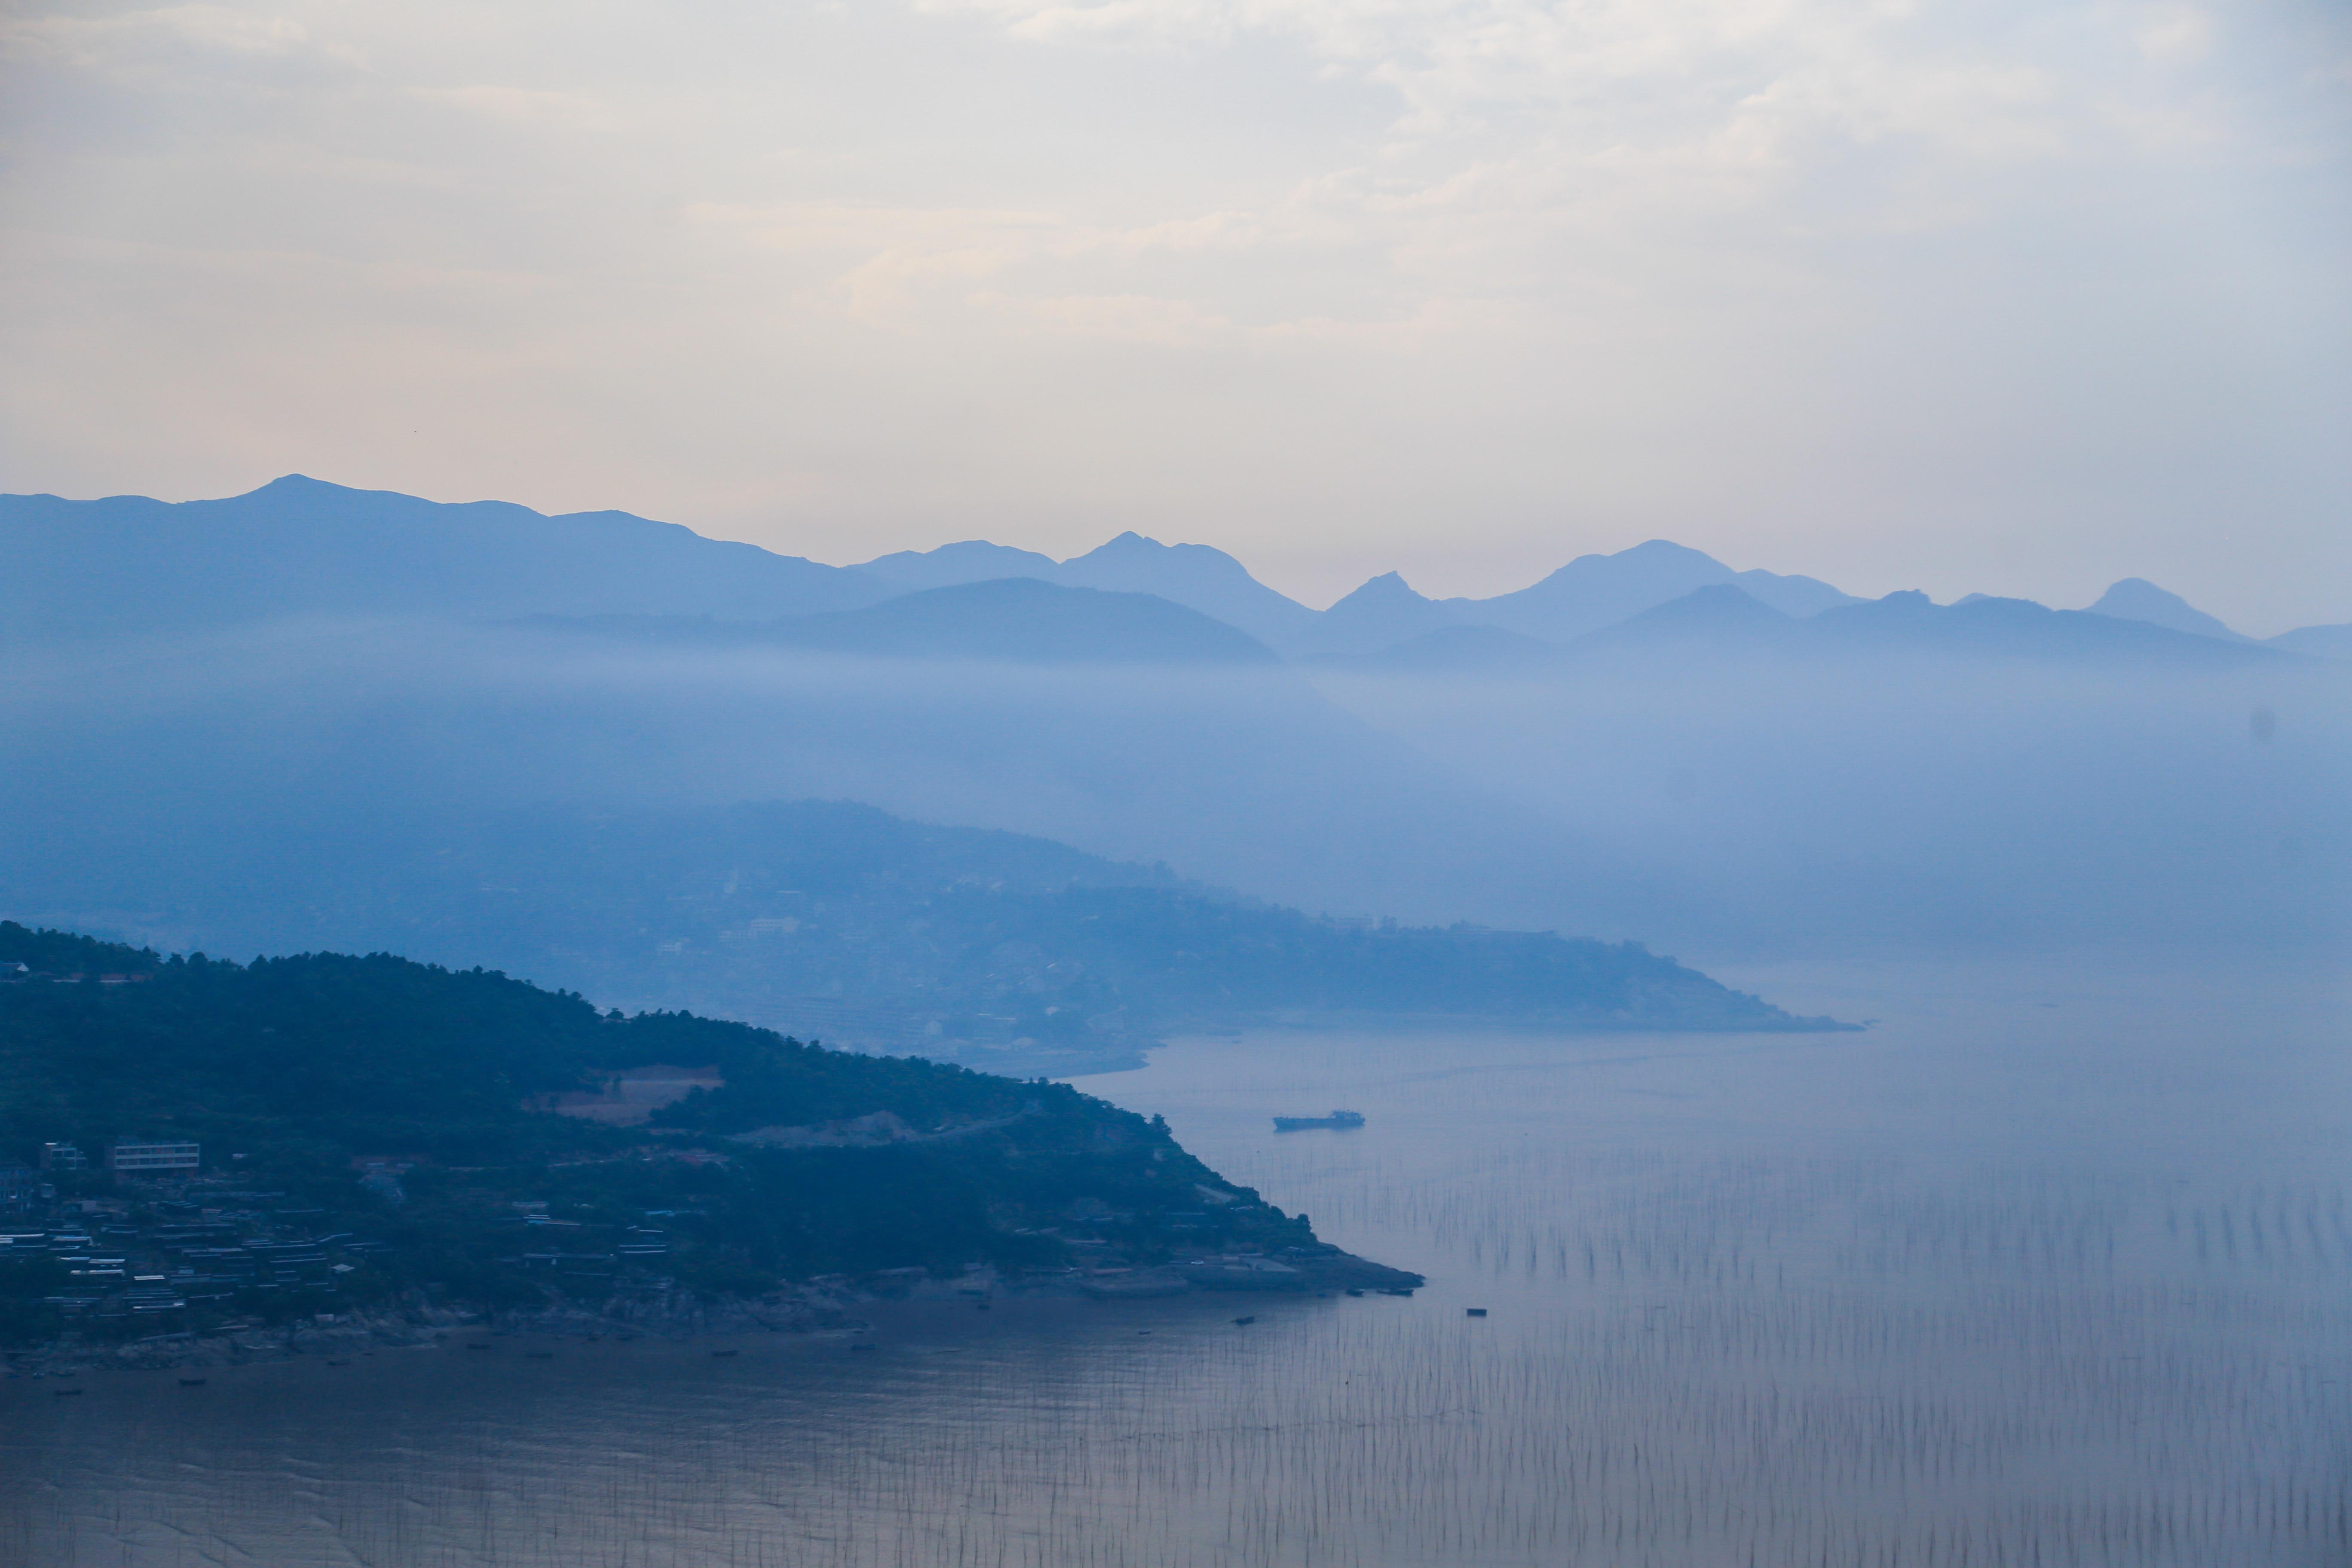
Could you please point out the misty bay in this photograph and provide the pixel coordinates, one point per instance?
(2048, 1265)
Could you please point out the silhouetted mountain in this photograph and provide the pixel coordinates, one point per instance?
(1720, 617)
(1590, 593)
(1194, 575)
(2017, 628)
(1596, 590)
(296, 547)
(1721, 621)
(970, 561)
(1197, 577)
(1381, 614)
(130, 566)
(1791, 595)
(1707, 775)
(2316, 642)
(2137, 599)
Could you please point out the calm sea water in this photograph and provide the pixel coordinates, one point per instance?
(2043, 1270)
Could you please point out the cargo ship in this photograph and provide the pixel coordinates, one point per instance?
(1301, 1124)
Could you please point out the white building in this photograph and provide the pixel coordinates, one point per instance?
(134, 1157)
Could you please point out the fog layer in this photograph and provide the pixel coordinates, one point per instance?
(1710, 801)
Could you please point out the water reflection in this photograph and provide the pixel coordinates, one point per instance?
(2038, 1271)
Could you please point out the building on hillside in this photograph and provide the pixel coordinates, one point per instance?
(139, 1157)
(62, 1157)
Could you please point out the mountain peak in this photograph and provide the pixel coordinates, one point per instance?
(1199, 576)
(966, 560)
(1658, 549)
(286, 487)
(1128, 546)
(1387, 589)
(2137, 599)
(1596, 590)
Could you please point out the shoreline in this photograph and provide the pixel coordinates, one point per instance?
(822, 1307)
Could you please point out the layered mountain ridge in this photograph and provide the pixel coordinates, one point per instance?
(130, 566)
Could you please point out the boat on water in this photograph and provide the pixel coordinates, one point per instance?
(1300, 1124)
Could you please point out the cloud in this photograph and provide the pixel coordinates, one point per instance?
(1739, 81)
(529, 106)
(165, 37)
(1119, 318)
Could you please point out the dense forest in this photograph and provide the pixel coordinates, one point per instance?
(396, 1107)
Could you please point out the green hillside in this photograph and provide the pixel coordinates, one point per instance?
(388, 1107)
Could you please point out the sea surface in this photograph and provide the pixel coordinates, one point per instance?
(2046, 1268)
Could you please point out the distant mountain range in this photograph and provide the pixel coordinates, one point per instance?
(296, 547)
(1723, 621)
(1646, 744)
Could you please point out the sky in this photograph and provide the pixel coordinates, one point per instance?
(1998, 297)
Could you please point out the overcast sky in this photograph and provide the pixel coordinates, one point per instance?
(1996, 296)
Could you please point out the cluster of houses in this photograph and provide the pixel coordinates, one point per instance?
(146, 1159)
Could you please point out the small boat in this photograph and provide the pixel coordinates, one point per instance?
(1243, 1322)
(1341, 1119)
(726, 1353)
(539, 1356)
(1353, 1291)
(339, 1364)
(477, 1345)
(191, 1382)
(61, 1393)
(1478, 1311)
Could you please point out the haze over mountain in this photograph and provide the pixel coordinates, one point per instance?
(2137, 599)
(1707, 773)
(1018, 619)
(1589, 593)
(1724, 621)
(831, 920)
(2316, 642)
(1596, 590)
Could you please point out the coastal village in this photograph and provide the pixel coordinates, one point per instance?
(157, 1264)
(571, 1216)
